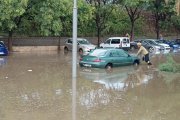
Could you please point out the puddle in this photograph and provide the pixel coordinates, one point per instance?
(39, 87)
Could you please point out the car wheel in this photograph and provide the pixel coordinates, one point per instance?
(108, 66)
(136, 62)
(132, 48)
(80, 51)
(66, 49)
(151, 49)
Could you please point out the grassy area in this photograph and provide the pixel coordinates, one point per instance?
(170, 65)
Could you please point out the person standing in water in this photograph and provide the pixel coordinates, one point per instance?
(144, 52)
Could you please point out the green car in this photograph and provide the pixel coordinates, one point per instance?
(108, 58)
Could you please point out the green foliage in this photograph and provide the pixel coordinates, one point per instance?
(170, 65)
(162, 11)
(118, 22)
(109, 17)
(176, 22)
(85, 16)
(10, 10)
(47, 16)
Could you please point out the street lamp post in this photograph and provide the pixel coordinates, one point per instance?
(74, 60)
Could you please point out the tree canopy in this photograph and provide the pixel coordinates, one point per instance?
(95, 17)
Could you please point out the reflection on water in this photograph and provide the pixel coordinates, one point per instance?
(45, 92)
(3, 61)
(120, 78)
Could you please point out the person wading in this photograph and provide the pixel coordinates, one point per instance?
(144, 52)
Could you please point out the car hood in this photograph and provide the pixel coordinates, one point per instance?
(88, 46)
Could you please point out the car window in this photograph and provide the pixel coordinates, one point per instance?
(144, 42)
(69, 40)
(151, 42)
(125, 40)
(98, 52)
(107, 41)
(83, 41)
(114, 53)
(115, 41)
(123, 54)
(1, 44)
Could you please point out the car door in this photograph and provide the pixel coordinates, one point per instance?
(126, 58)
(69, 44)
(116, 59)
(125, 43)
(107, 43)
(120, 58)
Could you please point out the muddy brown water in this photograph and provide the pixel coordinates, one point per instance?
(38, 86)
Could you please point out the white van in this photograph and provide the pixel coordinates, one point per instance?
(116, 42)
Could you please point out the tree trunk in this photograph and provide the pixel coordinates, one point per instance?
(157, 25)
(10, 41)
(132, 30)
(98, 34)
(59, 44)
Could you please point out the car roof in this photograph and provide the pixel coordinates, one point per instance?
(110, 49)
(78, 38)
(117, 37)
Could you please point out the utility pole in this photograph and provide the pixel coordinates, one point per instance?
(74, 60)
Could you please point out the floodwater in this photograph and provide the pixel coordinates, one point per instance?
(38, 86)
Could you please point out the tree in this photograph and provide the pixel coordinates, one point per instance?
(11, 12)
(102, 11)
(162, 10)
(176, 23)
(47, 15)
(85, 18)
(134, 9)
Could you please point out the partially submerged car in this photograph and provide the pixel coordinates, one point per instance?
(3, 49)
(83, 45)
(108, 58)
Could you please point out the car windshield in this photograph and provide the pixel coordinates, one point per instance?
(152, 42)
(98, 52)
(1, 44)
(83, 41)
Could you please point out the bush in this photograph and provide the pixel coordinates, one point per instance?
(170, 65)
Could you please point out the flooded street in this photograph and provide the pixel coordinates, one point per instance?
(38, 86)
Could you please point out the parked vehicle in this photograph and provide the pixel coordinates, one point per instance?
(171, 43)
(149, 46)
(166, 46)
(116, 42)
(157, 42)
(83, 45)
(177, 41)
(108, 58)
(3, 49)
